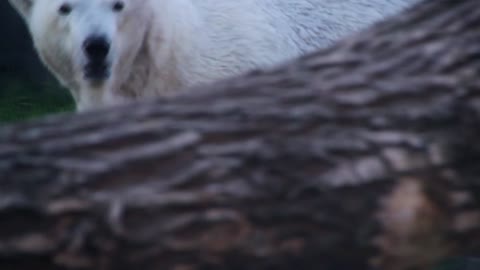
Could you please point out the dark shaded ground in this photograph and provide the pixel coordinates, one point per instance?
(17, 57)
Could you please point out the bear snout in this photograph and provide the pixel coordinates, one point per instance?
(96, 48)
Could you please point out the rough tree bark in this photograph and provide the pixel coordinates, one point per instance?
(360, 155)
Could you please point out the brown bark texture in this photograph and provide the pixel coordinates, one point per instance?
(360, 156)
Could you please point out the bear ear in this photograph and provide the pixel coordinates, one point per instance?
(23, 7)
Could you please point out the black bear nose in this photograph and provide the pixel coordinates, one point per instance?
(96, 48)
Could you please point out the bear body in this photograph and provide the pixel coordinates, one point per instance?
(111, 51)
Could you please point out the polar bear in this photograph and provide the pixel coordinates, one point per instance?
(111, 51)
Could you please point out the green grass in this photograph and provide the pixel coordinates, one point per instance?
(25, 100)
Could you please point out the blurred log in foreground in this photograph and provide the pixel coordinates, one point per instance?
(361, 155)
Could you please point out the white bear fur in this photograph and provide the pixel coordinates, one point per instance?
(160, 46)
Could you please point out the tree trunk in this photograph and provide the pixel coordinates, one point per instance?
(360, 155)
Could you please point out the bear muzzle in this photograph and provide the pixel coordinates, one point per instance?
(96, 50)
(97, 71)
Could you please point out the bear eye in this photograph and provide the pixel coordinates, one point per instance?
(118, 6)
(65, 9)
